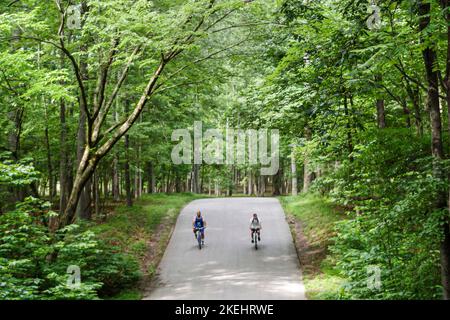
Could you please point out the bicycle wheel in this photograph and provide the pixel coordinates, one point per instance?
(199, 239)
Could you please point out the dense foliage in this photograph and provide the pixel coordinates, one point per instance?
(363, 108)
(390, 190)
(34, 262)
(368, 121)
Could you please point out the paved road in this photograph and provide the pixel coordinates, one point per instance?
(228, 267)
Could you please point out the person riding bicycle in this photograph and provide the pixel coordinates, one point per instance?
(199, 224)
(255, 226)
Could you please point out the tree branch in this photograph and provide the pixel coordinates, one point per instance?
(103, 111)
(72, 60)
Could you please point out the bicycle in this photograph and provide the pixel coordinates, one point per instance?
(255, 237)
(199, 236)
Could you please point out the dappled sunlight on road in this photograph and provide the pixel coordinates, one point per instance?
(229, 267)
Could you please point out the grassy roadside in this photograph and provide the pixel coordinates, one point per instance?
(143, 231)
(311, 219)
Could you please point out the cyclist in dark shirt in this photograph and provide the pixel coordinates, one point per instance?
(199, 224)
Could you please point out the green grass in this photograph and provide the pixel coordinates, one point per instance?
(131, 294)
(133, 229)
(317, 217)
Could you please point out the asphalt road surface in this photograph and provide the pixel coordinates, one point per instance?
(229, 267)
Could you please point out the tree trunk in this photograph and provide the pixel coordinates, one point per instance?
(177, 183)
(262, 188)
(230, 184)
(105, 186)
(150, 178)
(349, 128)
(84, 204)
(195, 178)
(136, 182)
(307, 172)
(91, 157)
(277, 181)
(294, 173)
(250, 182)
(49, 160)
(414, 96)
(127, 172)
(16, 117)
(216, 188)
(63, 161)
(380, 114)
(445, 245)
(116, 171)
(14, 135)
(430, 60)
(96, 194)
(115, 181)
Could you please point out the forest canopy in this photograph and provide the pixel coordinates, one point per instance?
(91, 92)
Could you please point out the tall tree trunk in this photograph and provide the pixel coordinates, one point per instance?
(49, 160)
(63, 161)
(84, 210)
(115, 180)
(216, 188)
(380, 114)
(308, 174)
(150, 178)
(105, 186)
(294, 172)
(277, 181)
(188, 182)
(348, 128)
(92, 156)
(244, 183)
(445, 245)
(195, 178)
(96, 194)
(116, 171)
(250, 182)
(430, 60)
(127, 172)
(136, 182)
(84, 204)
(230, 184)
(16, 117)
(177, 182)
(138, 173)
(262, 186)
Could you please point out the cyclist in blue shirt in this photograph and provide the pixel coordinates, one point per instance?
(199, 223)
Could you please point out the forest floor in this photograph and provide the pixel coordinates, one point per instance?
(311, 219)
(143, 231)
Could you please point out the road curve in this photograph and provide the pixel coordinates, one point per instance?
(228, 267)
